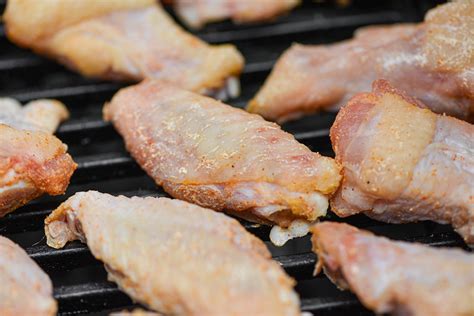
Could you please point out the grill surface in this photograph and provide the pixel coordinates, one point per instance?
(80, 283)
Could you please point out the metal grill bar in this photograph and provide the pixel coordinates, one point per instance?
(80, 281)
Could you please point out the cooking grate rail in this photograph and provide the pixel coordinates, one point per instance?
(80, 282)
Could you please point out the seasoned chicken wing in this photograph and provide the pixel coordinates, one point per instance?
(24, 288)
(402, 163)
(123, 39)
(393, 277)
(224, 158)
(432, 61)
(31, 163)
(197, 13)
(175, 257)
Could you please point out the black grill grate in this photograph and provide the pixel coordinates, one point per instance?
(80, 281)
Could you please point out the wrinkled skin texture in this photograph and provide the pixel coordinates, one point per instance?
(432, 61)
(32, 161)
(392, 277)
(124, 40)
(220, 157)
(402, 163)
(24, 288)
(197, 13)
(175, 257)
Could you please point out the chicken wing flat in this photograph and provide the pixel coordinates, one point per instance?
(24, 288)
(196, 14)
(176, 257)
(31, 163)
(432, 61)
(221, 157)
(123, 40)
(393, 277)
(402, 163)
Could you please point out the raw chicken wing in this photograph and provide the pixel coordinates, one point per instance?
(403, 163)
(39, 115)
(223, 158)
(175, 257)
(432, 61)
(124, 40)
(393, 277)
(197, 13)
(24, 288)
(32, 161)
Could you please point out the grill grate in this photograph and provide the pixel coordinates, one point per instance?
(80, 281)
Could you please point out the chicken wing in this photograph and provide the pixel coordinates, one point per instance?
(135, 312)
(402, 163)
(39, 115)
(176, 257)
(432, 61)
(196, 14)
(32, 162)
(123, 40)
(396, 277)
(223, 158)
(24, 288)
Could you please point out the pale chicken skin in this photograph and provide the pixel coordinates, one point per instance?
(123, 40)
(24, 288)
(32, 161)
(175, 257)
(217, 156)
(433, 61)
(196, 14)
(402, 163)
(393, 277)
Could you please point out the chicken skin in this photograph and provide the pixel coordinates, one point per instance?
(402, 163)
(32, 161)
(433, 61)
(393, 277)
(123, 40)
(223, 158)
(24, 288)
(175, 257)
